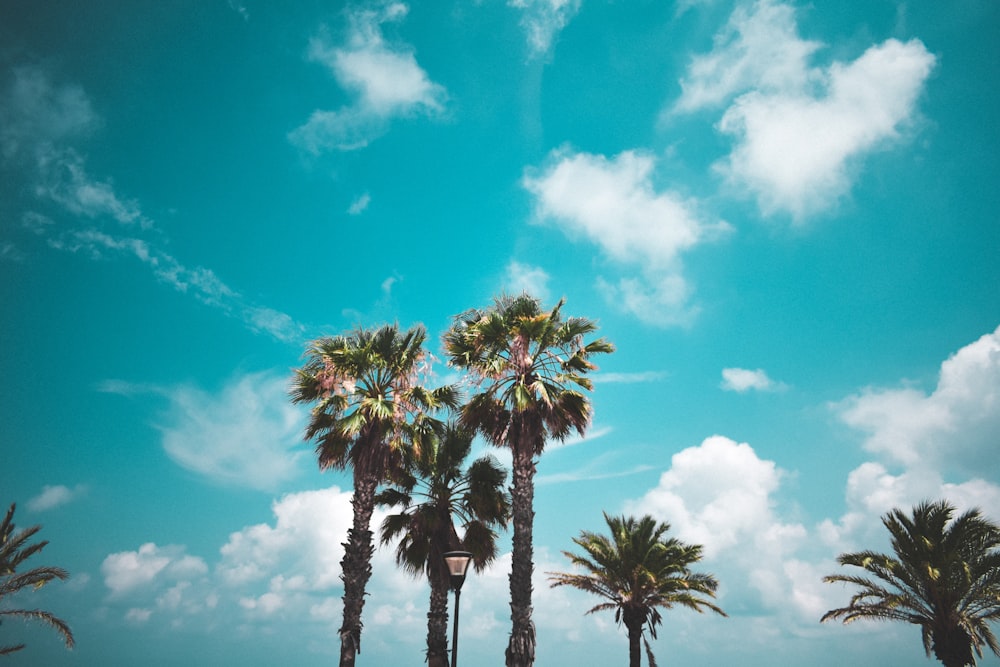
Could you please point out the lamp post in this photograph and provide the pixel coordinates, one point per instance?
(458, 565)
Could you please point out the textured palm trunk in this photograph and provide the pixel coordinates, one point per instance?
(437, 623)
(356, 567)
(634, 627)
(952, 646)
(521, 648)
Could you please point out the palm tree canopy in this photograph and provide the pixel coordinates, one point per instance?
(943, 575)
(366, 387)
(14, 550)
(433, 492)
(637, 570)
(531, 365)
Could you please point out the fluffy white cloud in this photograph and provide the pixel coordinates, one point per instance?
(524, 278)
(134, 571)
(613, 203)
(800, 131)
(384, 78)
(544, 19)
(718, 495)
(55, 496)
(247, 435)
(721, 495)
(306, 539)
(795, 151)
(742, 380)
(953, 428)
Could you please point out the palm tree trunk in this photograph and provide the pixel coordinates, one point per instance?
(356, 566)
(437, 624)
(521, 648)
(634, 628)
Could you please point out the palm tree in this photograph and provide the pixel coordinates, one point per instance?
(529, 364)
(369, 408)
(637, 570)
(432, 493)
(14, 550)
(944, 577)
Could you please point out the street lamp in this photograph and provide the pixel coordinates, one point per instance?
(458, 565)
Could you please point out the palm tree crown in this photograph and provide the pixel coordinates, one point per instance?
(369, 407)
(432, 493)
(529, 365)
(637, 571)
(944, 575)
(14, 550)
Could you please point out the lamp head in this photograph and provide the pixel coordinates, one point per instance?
(458, 565)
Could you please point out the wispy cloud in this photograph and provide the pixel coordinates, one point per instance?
(543, 20)
(525, 278)
(247, 434)
(383, 77)
(798, 131)
(41, 120)
(55, 496)
(742, 380)
(359, 205)
(758, 49)
(613, 203)
(629, 378)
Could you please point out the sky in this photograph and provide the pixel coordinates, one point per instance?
(783, 215)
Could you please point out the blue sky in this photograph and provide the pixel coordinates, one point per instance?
(784, 215)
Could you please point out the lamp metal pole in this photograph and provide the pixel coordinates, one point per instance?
(458, 565)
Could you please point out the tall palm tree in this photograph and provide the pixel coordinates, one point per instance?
(14, 550)
(944, 575)
(431, 494)
(638, 571)
(530, 365)
(369, 407)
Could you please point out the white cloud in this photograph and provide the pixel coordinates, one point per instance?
(721, 495)
(614, 204)
(794, 152)
(37, 121)
(525, 278)
(384, 79)
(742, 380)
(359, 204)
(55, 496)
(128, 572)
(717, 494)
(305, 540)
(759, 48)
(629, 378)
(544, 19)
(952, 428)
(38, 115)
(247, 435)
(799, 132)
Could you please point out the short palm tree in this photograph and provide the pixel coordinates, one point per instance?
(530, 365)
(14, 550)
(944, 575)
(638, 571)
(369, 407)
(432, 494)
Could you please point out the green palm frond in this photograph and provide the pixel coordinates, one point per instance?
(636, 569)
(14, 551)
(943, 576)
